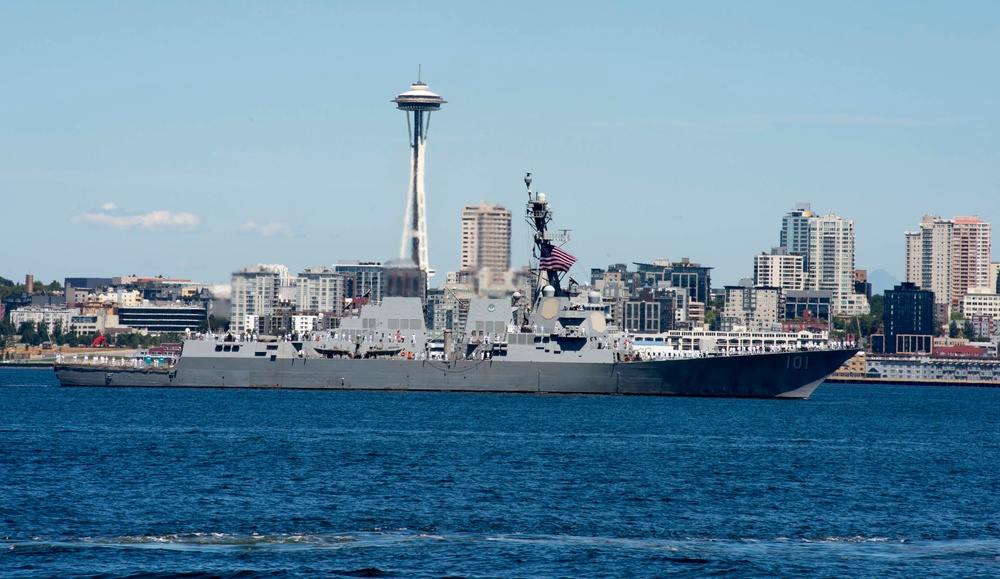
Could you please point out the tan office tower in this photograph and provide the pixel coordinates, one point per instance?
(486, 241)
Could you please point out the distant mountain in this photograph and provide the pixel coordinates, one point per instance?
(881, 280)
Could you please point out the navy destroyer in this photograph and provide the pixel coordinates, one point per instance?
(561, 341)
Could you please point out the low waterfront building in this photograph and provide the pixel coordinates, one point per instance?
(981, 303)
(934, 369)
(49, 316)
(156, 319)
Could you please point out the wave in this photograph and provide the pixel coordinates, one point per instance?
(219, 541)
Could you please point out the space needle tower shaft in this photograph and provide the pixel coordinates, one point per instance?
(418, 103)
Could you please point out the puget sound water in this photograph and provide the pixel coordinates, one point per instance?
(859, 481)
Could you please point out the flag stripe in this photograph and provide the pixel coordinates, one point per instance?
(555, 259)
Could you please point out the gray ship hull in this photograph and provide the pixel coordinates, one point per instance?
(782, 375)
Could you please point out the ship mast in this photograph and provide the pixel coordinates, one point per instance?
(538, 216)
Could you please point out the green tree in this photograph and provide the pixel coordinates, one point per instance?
(711, 317)
(968, 330)
(953, 330)
(28, 332)
(7, 327)
(7, 343)
(877, 305)
(36, 334)
(11, 290)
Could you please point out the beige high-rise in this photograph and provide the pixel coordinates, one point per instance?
(486, 240)
(949, 257)
(970, 257)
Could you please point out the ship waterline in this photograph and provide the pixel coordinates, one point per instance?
(779, 374)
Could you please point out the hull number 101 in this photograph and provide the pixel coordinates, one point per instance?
(797, 363)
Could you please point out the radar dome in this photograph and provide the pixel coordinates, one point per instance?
(594, 298)
(548, 291)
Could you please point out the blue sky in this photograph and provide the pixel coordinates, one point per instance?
(189, 139)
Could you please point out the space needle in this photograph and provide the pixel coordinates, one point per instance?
(421, 103)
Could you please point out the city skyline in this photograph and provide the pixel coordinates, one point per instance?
(171, 140)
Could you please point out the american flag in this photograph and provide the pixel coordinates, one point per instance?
(555, 259)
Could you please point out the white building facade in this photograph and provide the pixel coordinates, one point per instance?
(779, 269)
(982, 304)
(255, 293)
(319, 289)
(831, 263)
(48, 316)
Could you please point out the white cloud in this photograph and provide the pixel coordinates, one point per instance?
(268, 230)
(152, 220)
(108, 207)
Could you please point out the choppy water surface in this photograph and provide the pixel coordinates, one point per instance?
(858, 481)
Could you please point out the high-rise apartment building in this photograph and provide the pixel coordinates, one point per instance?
(826, 245)
(486, 240)
(779, 269)
(795, 232)
(831, 263)
(928, 259)
(255, 293)
(949, 257)
(970, 256)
